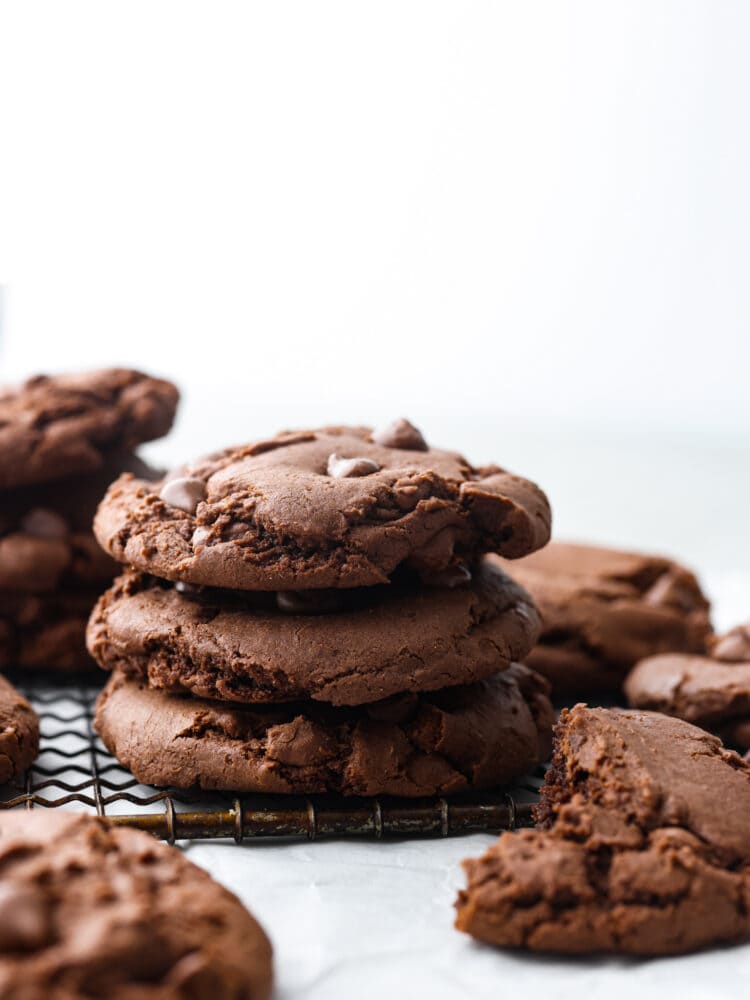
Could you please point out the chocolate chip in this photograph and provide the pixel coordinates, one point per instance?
(201, 535)
(346, 468)
(43, 523)
(734, 647)
(400, 434)
(182, 587)
(308, 602)
(451, 577)
(185, 493)
(192, 976)
(673, 589)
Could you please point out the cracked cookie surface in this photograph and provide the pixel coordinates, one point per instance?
(643, 845)
(328, 508)
(19, 732)
(369, 644)
(469, 737)
(603, 610)
(93, 910)
(711, 691)
(56, 426)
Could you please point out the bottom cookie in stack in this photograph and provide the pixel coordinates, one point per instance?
(402, 690)
(462, 738)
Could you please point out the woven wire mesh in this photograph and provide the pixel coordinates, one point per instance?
(74, 770)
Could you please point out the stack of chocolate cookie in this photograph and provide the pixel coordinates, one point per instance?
(62, 441)
(317, 612)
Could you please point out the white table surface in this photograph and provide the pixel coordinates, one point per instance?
(374, 920)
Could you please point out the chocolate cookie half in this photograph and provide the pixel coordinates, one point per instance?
(52, 427)
(603, 610)
(371, 643)
(478, 736)
(336, 507)
(92, 910)
(643, 846)
(712, 691)
(19, 733)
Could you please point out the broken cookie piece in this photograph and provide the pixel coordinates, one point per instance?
(642, 845)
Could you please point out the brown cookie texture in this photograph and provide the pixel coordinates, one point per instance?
(53, 427)
(328, 508)
(45, 631)
(46, 540)
(642, 846)
(711, 691)
(370, 644)
(19, 732)
(93, 910)
(603, 610)
(468, 737)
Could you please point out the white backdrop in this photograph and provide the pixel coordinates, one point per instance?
(528, 211)
(524, 225)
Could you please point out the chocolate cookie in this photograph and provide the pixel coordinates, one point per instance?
(88, 909)
(59, 426)
(46, 631)
(337, 507)
(478, 736)
(371, 643)
(46, 541)
(603, 610)
(711, 691)
(643, 845)
(19, 733)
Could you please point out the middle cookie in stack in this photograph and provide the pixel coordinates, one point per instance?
(300, 618)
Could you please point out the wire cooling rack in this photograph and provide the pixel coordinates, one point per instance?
(75, 771)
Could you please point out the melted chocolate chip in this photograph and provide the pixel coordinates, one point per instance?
(43, 523)
(184, 493)
(400, 434)
(346, 468)
(734, 647)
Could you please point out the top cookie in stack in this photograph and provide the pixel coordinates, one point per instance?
(316, 612)
(63, 439)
